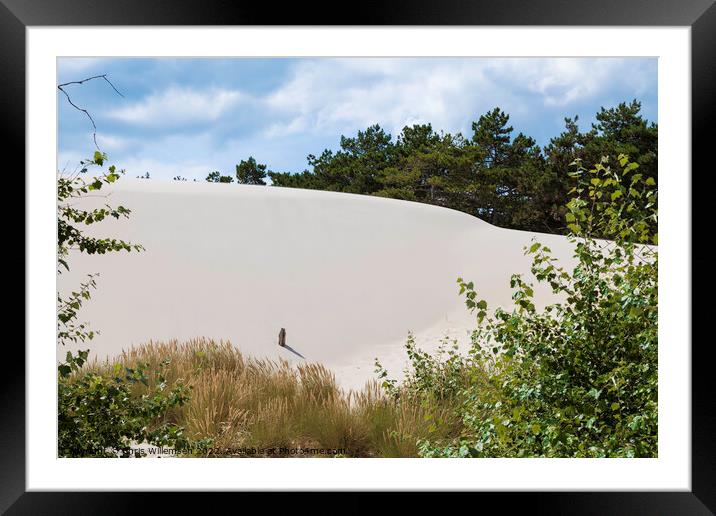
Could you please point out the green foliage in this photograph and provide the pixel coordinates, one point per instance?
(100, 416)
(436, 385)
(578, 378)
(438, 377)
(68, 329)
(619, 130)
(216, 177)
(70, 219)
(250, 173)
(354, 168)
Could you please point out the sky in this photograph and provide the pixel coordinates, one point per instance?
(188, 117)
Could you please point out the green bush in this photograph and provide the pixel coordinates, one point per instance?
(100, 416)
(579, 378)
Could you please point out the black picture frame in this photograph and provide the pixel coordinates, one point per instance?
(700, 15)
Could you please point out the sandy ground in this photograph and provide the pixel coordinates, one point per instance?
(348, 276)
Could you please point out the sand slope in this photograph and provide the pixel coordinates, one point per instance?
(348, 276)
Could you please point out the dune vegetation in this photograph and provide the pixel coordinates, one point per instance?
(235, 404)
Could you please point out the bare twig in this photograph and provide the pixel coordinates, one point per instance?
(69, 99)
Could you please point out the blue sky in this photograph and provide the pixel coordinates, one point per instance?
(191, 116)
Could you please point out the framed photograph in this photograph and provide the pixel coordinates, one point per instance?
(420, 233)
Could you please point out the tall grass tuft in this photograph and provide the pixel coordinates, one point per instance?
(243, 403)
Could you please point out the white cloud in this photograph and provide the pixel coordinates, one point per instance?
(112, 143)
(179, 106)
(326, 95)
(562, 81)
(343, 94)
(333, 96)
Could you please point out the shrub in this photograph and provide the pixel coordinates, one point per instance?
(99, 416)
(579, 378)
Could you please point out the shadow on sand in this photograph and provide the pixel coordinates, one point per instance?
(293, 351)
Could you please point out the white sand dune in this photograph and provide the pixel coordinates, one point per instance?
(348, 276)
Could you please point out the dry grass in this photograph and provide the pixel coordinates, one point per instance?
(241, 403)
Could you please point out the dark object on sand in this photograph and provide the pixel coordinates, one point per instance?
(282, 338)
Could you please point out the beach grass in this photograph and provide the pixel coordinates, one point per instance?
(279, 409)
